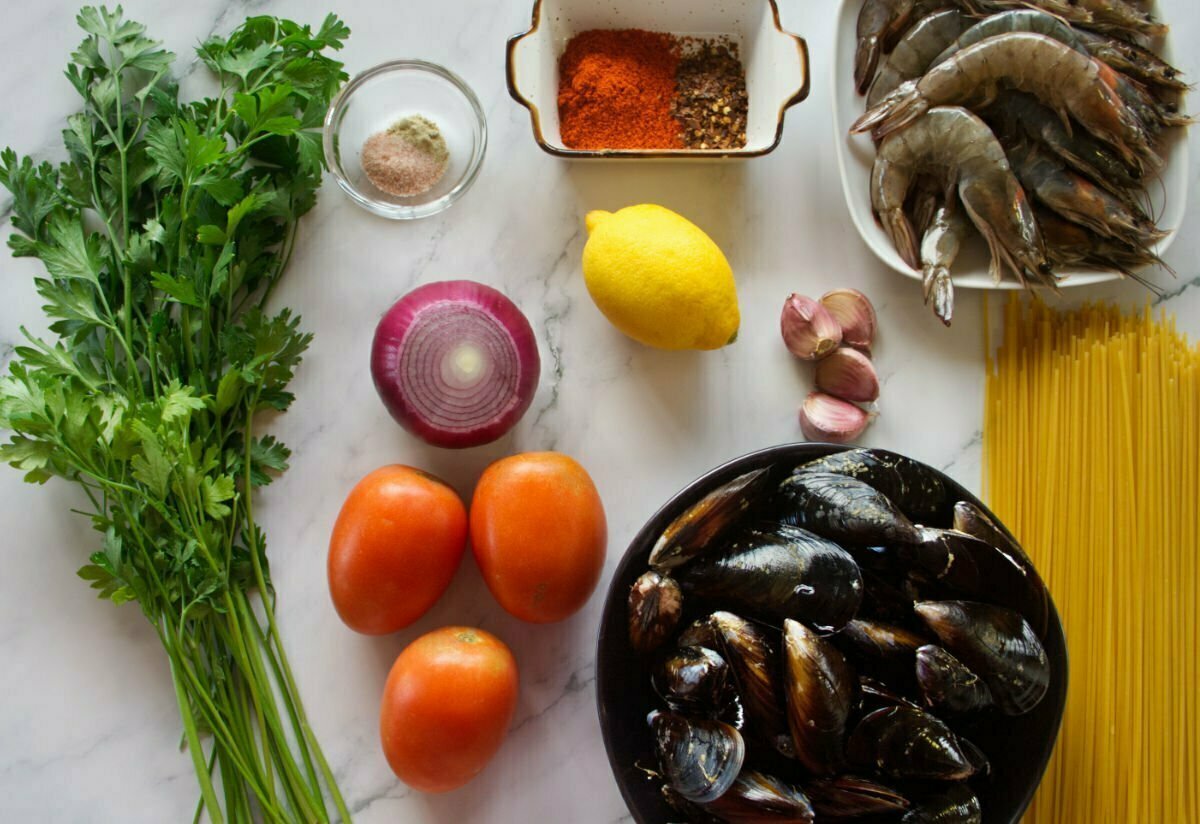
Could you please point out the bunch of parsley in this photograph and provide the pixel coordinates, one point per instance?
(162, 237)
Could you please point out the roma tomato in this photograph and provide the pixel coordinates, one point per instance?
(395, 546)
(446, 707)
(539, 534)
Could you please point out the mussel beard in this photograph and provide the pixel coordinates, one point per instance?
(819, 686)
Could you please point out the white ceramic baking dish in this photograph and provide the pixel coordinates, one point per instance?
(856, 155)
(776, 63)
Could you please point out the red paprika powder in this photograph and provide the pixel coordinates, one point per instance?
(615, 89)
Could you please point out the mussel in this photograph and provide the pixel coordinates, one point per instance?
(655, 607)
(753, 662)
(947, 684)
(704, 522)
(776, 572)
(974, 521)
(697, 681)
(998, 644)
(700, 758)
(841, 508)
(957, 805)
(915, 488)
(885, 650)
(848, 796)
(756, 797)
(819, 686)
(974, 568)
(907, 743)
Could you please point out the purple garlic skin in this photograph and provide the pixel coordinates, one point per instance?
(809, 330)
(855, 314)
(848, 374)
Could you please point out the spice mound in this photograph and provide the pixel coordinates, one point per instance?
(636, 89)
(406, 159)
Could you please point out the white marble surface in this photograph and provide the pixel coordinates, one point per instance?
(88, 724)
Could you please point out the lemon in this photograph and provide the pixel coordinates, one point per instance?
(660, 279)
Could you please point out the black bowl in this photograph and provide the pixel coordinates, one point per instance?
(1019, 748)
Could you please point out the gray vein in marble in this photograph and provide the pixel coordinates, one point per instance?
(556, 311)
(1174, 293)
(975, 441)
(575, 684)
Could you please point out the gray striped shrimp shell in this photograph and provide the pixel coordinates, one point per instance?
(917, 50)
(1069, 82)
(940, 246)
(959, 148)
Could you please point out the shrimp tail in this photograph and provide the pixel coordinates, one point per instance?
(866, 59)
(939, 289)
(904, 237)
(893, 113)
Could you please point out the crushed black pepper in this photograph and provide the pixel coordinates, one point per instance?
(710, 96)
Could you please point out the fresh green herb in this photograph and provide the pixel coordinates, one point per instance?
(163, 236)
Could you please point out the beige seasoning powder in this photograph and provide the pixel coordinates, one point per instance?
(407, 159)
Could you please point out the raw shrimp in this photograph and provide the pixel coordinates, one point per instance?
(916, 50)
(939, 249)
(1139, 63)
(1066, 9)
(1069, 82)
(879, 21)
(1153, 114)
(1079, 200)
(1069, 244)
(1121, 17)
(960, 150)
(1015, 115)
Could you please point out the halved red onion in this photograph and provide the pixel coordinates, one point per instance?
(456, 363)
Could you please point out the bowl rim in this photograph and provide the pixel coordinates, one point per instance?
(403, 211)
(510, 75)
(724, 472)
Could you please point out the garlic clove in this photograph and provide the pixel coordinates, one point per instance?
(809, 331)
(826, 418)
(848, 374)
(855, 314)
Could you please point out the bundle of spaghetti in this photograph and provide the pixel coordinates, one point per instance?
(1092, 459)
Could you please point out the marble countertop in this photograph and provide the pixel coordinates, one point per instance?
(88, 725)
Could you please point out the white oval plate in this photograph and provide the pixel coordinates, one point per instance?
(856, 154)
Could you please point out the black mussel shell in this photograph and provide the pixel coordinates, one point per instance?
(704, 522)
(974, 568)
(996, 643)
(848, 796)
(907, 743)
(957, 805)
(884, 650)
(655, 607)
(974, 521)
(700, 758)
(915, 488)
(777, 572)
(753, 662)
(819, 686)
(697, 681)
(948, 685)
(692, 813)
(756, 797)
(841, 508)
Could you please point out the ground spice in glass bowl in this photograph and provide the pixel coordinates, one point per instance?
(406, 159)
(637, 89)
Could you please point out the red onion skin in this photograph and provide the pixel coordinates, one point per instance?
(391, 337)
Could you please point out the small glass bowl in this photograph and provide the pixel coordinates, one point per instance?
(377, 98)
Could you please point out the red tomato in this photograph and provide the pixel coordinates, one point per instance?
(447, 705)
(395, 546)
(539, 534)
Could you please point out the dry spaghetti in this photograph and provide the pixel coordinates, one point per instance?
(1092, 458)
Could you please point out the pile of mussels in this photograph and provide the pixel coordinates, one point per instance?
(848, 650)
